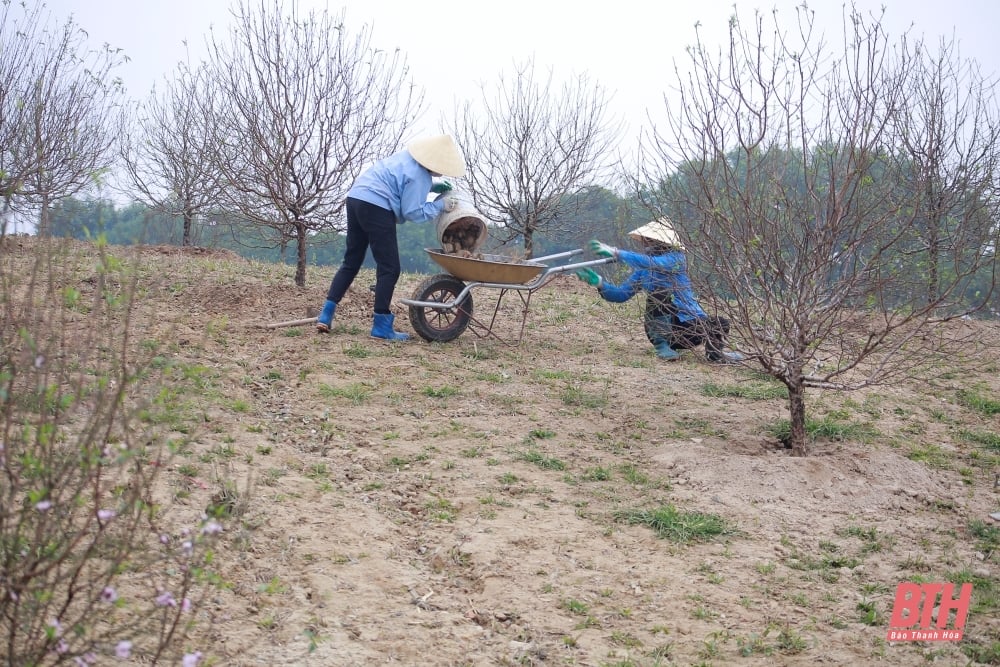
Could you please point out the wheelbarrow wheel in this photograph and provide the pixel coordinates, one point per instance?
(440, 325)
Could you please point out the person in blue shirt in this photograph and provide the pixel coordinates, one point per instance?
(394, 190)
(673, 319)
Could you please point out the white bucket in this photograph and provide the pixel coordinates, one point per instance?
(461, 229)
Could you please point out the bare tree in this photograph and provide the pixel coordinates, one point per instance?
(57, 110)
(949, 132)
(18, 37)
(303, 105)
(785, 164)
(531, 145)
(171, 160)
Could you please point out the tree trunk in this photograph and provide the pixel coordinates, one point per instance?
(300, 255)
(797, 416)
(44, 217)
(186, 238)
(529, 242)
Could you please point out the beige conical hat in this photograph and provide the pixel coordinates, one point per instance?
(439, 154)
(660, 231)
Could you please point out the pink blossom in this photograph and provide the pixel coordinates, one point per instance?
(124, 649)
(191, 659)
(185, 605)
(105, 515)
(166, 599)
(43, 505)
(109, 594)
(211, 528)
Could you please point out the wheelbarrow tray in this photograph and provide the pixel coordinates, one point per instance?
(489, 269)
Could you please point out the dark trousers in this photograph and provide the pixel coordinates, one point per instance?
(369, 226)
(711, 331)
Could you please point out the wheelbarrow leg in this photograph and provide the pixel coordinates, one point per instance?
(483, 330)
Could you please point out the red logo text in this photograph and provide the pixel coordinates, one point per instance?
(922, 612)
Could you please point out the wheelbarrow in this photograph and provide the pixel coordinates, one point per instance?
(442, 307)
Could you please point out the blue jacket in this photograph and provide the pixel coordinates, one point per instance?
(399, 184)
(655, 273)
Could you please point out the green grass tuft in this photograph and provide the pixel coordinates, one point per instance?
(756, 391)
(677, 525)
(975, 401)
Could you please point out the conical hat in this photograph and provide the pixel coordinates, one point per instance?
(660, 231)
(438, 154)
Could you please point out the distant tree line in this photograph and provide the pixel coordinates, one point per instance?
(592, 212)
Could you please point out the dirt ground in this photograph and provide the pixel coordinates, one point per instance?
(463, 503)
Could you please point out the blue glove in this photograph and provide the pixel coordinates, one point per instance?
(603, 250)
(442, 187)
(589, 276)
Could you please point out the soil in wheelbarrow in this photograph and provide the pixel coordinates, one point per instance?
(462, 237)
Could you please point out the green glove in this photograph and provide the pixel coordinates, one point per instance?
(589, 276)
(442, 187)
(603, 250)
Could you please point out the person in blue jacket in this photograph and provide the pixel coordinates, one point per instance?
(392, 191)
(673, 319)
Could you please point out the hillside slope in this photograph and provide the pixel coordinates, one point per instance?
(478, 503)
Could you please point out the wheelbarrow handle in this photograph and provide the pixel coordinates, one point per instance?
(580, 265)
(558, 255)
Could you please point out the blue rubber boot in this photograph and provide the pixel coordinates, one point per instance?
(667, 353)
(325, 320)
(382, 328)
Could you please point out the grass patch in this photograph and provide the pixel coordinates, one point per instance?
(752, 390)
(441, 392)
(597, 474)
(542, 461)
(987, 536)
(357, 392)
(828, 428)
(987, 439)
(975, 401)
(578, 397)
(678, 525)
(356, 351)
(931, 454)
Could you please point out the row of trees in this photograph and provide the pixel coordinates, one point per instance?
(596, 212)
(286, 110)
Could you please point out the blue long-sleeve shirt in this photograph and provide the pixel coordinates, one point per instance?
(399, 184)
(652, 273)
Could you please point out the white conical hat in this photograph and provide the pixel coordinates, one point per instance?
(439, 154)
(660, 231)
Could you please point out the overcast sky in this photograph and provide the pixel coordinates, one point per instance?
(628, 46)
